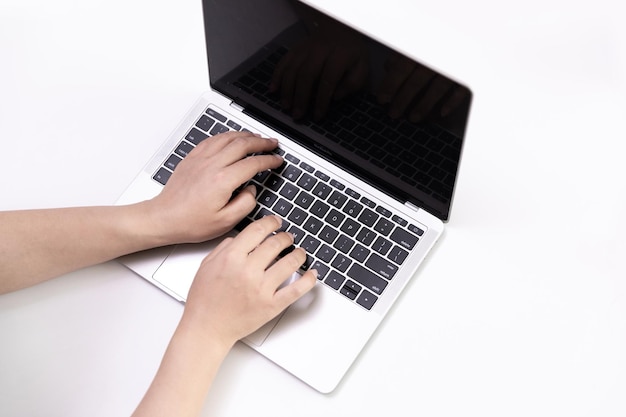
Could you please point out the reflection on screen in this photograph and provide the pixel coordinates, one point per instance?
(390, 120)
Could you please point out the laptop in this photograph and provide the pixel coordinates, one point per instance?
(372, 141)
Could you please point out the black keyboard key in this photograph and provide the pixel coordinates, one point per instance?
(337, 184)
(313, 225)
(308, 168)
(292, 173)
(289, 191)
(268, 198)
(172, 162)
(216, 115)
(297, 216)
(321, 176)
(383, 211)
(367, 300)
(369, 203)
(341, 263)
(233, 125)
(262, 213)
(184, 148)
(322, 190)
(307, 263)
(345, 290)
(294, 160)
(307, 182)
(381, 266)
(304, 200)
(162, 176)
(360, 253)
(404, 238)
(335, 218)
(350, 227)
(310, 244)
(260, 177)
(352, 193)
(366, 236)
(384, 226)
(328, 234)
(283, 207)
(205, 123)
(397, 255)
(217, 129)
(322, 270)
(353, 286)
(367, 278)
(343, 243)
(352, 208)
(195, 136)
(416, 230)
(368, 217)
(274, 182)
(399, 220)
(326, 253)
(334, 280)
(297, 233)
(337, 199)
(382, 245)
(319, 209)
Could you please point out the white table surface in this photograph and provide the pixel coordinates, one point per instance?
(520, 310)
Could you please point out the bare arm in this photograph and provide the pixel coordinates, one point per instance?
(234, 293)
(236, 288)
(195, 205)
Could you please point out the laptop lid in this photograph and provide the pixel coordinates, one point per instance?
(390, 120)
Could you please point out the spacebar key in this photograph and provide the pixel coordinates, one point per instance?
(367, 278)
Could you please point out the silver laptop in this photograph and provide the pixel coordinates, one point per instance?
(371, 141)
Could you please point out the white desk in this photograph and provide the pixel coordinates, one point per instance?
(520, 310)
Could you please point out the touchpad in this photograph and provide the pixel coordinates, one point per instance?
(178, 270)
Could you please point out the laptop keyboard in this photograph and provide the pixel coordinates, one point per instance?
(355, 244)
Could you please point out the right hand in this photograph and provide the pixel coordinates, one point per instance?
(236, 289)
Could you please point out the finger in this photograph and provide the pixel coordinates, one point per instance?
(256, 232)
(215, 144)
(241, 146)
(242, 170)
(239, 206)
(295, 290)
(268, 251)
(285, 266)
(223, 245)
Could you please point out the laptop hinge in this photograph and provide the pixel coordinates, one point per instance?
(236, 106)
(411, 206)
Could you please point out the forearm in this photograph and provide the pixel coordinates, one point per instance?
(187, 371)
(37, 245)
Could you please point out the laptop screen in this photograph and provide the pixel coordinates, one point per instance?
(388, 119)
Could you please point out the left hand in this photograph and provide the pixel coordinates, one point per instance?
(197, 204)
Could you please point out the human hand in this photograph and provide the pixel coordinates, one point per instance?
(417, 92)
(329, 65)
(197, 204)
(236, 289)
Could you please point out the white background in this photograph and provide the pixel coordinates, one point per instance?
(520, 310)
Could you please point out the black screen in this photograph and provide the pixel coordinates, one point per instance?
(393, 122)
